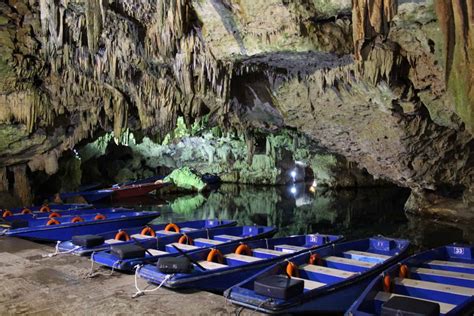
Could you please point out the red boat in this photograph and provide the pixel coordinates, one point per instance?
(134, 190)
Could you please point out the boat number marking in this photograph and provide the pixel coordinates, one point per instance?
(458, 251)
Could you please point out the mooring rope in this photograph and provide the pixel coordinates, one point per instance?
(142, 292)
(57, 252)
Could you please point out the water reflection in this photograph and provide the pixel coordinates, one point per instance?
(296, 210)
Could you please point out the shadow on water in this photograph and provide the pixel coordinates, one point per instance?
(295, 210)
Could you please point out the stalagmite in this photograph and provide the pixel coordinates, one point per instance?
(21, 185)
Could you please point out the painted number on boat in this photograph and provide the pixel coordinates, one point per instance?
(458, 251)
(313, 239)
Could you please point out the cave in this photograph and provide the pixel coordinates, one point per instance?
(349, 117)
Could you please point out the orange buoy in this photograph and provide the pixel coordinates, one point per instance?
(215, 255)
(315, 259)
(122, 235)
(292, 270)
(387, 284)
(185, 239)
(7, 213)
(26, 211)
(99, 217)
(77, 219)
(148, 231)
(172, 227)
(54, 214)
(53, 221)
(243, 249)
(45, 209)
(403, 271)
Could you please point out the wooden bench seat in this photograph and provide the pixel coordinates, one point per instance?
(433, 286)
(242, 257)
(112, 241)
(309, 284)
(140, 236)
(348, 261)
(384, 297)
(211, 265)
(183, 246)
(451, 264)
(187, 229)
(208, 241)
(290, 248)
(229, 237)
(268, 251)
(164, 232)
(325, 270)
(444, 273)
(362, 254)
(156, 252)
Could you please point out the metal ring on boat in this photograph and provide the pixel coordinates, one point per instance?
(292, 270)
(122, 235)
(215, 255)
(26, 211)
(387, 284)
(77, 219)
(7, 213)
(148, 231)
(45, 209)
(172, 226)
(54, 214)
(315, 259)
(53, 221)
(403, 271)
(99, 217)
(185, 239)
(243, 249)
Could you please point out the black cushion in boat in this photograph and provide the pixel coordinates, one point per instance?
(407, 306)
(171, 265)
(127, 251)
(19, 223)
(278, 286)
(87, 240)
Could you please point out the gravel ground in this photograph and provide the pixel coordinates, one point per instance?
(34, 285)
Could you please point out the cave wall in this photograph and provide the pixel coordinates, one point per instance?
(374, 81)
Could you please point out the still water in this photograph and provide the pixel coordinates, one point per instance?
(295, 210)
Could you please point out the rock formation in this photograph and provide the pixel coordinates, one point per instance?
(385, 89)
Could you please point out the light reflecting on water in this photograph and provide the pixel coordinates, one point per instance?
(296, 210)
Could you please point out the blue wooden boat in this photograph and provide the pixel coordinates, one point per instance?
(46, 208)
(235, 262)
(439, 280)
(326, 280)
(190, 242)
(62, 213)
(143, 235)
(63, 228)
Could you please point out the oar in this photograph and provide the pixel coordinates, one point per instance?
(189, 257)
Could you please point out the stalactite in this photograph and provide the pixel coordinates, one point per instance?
(21, 185)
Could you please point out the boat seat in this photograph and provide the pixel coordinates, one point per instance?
(433, 286)
(226, 238)
(156, 252)
(326, 271)
(184, 247)
(112, 241)
(243, 258)
(211, 265)
(450, 264)
(140, 236)
(310, 285)
(267, 253)
(166, 233)
(384, 297)
(352, 262)
(206, 242)
(444, 273)
(289, 248)
(187, 229)
(366, 256)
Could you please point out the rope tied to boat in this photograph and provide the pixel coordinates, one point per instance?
(92, 274)
(144, 291)
(57, 252)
